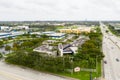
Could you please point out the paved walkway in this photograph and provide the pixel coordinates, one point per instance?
(10, 72)
(99, 79)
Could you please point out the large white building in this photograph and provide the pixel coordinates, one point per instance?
(54, 35)
(17, 33)
(67, 49)
(78, 29)
(21, 27)
(11, 34)
(4, 28)
(5, 35)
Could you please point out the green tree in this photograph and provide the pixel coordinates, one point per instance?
(27, 44)
(1, 55)
(7, 48)
(1, 43)
(14, 49)
(16, 45)
(33, 35)
(44, 36)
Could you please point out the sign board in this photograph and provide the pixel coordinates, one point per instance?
(76, 69)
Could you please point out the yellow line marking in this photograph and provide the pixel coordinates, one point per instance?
(10, 75)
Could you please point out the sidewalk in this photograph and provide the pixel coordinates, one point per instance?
(99, 79)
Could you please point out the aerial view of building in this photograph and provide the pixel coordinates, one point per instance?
(77, 30)
(59, 39)
(54, 35)
(4, 28)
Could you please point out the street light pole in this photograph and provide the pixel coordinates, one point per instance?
(90, 71)
(63, 63)
(96, 65)
(71, 60)
(90, 75)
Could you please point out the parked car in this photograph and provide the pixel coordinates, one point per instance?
(105, 62)
(117, 59)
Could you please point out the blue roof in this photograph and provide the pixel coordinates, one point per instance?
(5, 34)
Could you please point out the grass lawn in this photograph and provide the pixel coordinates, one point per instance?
(83, 75)
(29, 49)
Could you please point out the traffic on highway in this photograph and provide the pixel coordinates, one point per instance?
(111, 50)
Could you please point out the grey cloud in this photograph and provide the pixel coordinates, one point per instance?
(59, 9)
(11, 5)
(47, 3)
(104, 3)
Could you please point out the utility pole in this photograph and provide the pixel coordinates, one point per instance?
(90, 71)
(63, 63)
(96, 65)
(71, 60)
(90, 75)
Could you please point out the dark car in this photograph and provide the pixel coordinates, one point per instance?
(105, 62)
(117, 59)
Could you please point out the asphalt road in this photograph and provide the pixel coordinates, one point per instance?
(111, 51)
(10, 72)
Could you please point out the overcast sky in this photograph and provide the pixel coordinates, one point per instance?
(19, 10)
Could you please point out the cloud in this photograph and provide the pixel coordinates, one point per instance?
(59, 9)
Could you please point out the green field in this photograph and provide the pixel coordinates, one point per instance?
(83, 75)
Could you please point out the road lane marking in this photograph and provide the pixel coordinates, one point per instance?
(10, 75)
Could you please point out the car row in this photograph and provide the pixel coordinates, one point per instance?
(116, 60)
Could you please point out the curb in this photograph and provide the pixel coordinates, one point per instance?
(65, 77)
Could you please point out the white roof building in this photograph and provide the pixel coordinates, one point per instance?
(22, 27)
(54, 35)
(4, 28)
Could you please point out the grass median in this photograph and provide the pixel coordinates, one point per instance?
(84, 75)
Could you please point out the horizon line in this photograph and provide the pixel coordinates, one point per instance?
(52, 20)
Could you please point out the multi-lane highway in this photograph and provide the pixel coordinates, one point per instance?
(111, 50)
(9, 72)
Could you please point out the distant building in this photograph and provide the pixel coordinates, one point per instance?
(72, 47)
(77, 30)
(54, 35)
(115, 26)
(36, 33)
(45, 49)
(21, 27)
(11, 34)
(66, 49)
(5, 35)
(4, 28)
(17, 33)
